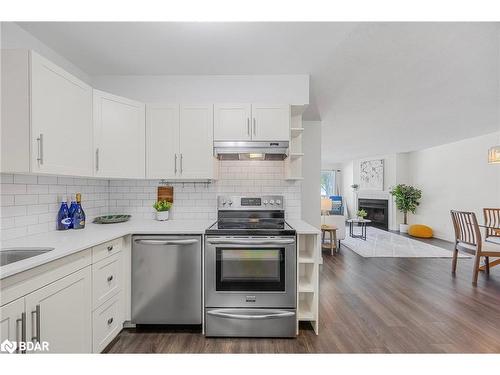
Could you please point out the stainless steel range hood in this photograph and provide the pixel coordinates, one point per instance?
(251, 150)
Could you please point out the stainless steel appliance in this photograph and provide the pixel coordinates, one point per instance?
(250, 269)
(166, 279)
(251, 150)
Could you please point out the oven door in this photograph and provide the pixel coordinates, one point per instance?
(250, 272)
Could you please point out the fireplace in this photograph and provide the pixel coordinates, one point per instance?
(377, 210)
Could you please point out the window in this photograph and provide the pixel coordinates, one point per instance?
(328, 183)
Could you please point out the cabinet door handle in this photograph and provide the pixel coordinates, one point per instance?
(39, 141)
(254, 127)
(175, 164)
(19, 336)
(110, 278)
(97, 159)
(181, 163)
(23, 328)
(110, 320)
(110, 247)
(248, 126)
(36, 324)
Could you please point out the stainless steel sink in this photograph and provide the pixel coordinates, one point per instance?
(15, 254)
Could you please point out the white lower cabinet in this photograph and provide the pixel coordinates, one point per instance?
(60, 314)
(76, 305)
(107, 322)
(106, 279)
(12, 320)
(108, 297)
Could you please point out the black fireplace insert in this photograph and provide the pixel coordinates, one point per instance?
(377, 210)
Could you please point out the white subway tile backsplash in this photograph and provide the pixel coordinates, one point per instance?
(22, 200)
(29, 203)
(47, 180)
(25, 179)
(37, 189)
(12, 211)
(13, 189)
(7, 200)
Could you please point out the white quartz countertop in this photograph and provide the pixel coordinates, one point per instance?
(302, 227)
(71, 241)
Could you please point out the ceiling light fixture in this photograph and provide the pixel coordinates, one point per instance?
(494, 155)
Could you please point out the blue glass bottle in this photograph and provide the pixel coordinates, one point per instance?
(63, 218)
(79, 215)
(72, 209)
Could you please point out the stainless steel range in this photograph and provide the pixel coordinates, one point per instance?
(250, 269)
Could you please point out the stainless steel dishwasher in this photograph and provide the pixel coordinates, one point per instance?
(166, 279)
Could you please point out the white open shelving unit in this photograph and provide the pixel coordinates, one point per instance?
(309, 251)
(293, 163)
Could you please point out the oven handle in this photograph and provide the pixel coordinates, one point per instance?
(167, 242)
(250, 242)
(267, 314)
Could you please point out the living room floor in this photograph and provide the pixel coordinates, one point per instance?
(368, 305)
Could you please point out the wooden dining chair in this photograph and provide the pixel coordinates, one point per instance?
(492, 219)
(468, 239)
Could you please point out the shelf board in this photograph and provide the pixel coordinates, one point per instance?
(292, 178)
(305, 286)
(306, 314)
(296, 154)
(306, 259)
(296, 131)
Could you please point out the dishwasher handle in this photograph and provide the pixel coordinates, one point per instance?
(167, 242)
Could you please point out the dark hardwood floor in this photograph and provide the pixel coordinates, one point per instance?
(369, 305)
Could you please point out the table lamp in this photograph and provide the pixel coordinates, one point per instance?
(326, 207)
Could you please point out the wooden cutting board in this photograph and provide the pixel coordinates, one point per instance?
(166, 193)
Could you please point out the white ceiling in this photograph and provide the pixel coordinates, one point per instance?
(377, 87)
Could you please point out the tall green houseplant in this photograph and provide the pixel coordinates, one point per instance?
(407, 199)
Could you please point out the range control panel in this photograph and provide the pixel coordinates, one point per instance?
(263, 202)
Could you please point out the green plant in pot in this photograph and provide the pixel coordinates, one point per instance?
(407, 200)
(162, 210)
(361, 214)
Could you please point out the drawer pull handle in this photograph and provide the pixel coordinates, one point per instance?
(110, 320)
(110, 278)
(110, 247)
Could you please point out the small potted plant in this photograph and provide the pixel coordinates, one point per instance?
(361, 214)
(407, 200)
(162, 209)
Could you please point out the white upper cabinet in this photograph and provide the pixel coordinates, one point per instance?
(196, 141)
(232, 122)
(256, 122)
(162, 140)
(270, 122)
(119, 136)
(179, 141)
(47, 124)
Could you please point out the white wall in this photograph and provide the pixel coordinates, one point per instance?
(454, 176)
(15, 37)
(311, 163)
(347, 181)
(290, 89)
